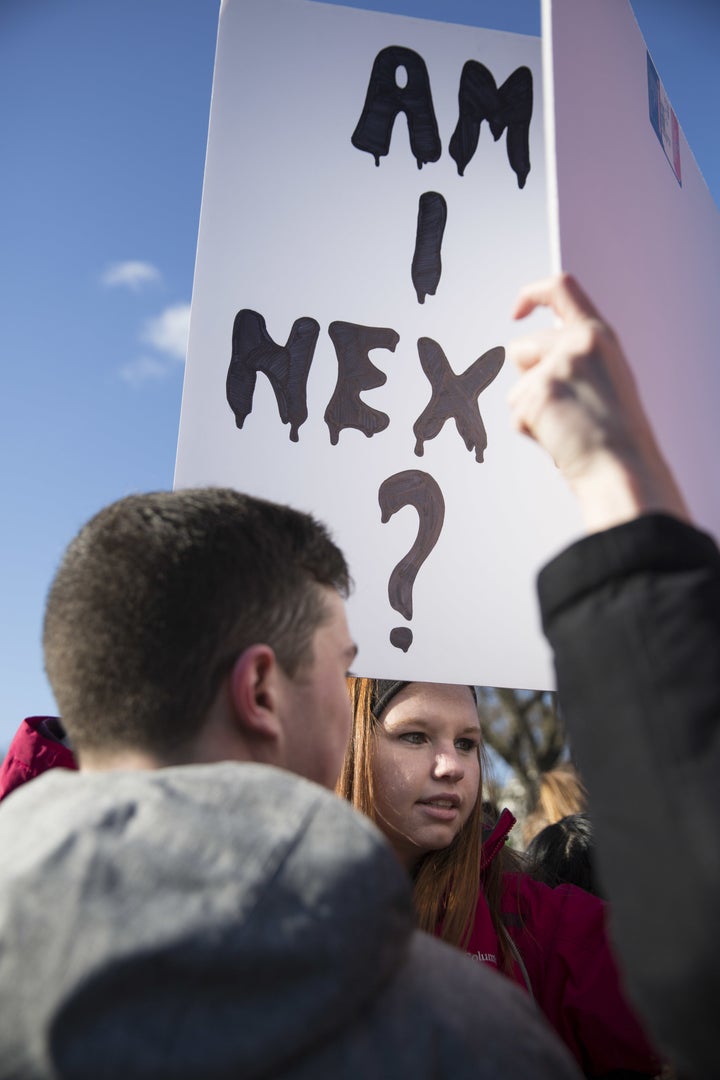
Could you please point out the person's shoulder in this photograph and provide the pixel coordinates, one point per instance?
(440, 1014)
(260, 819)
(490, 1026)
(534, 898)
(654, 542)
(37, 746)
(565, 912)
(37, 789)
(222, 797)
(269, 794)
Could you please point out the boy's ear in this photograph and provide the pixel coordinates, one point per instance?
(254, 692)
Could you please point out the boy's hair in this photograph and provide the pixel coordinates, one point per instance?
(159, 594)
(563, 853)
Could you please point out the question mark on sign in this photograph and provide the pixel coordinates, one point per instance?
(411, 488)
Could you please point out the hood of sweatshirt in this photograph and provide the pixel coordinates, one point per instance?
(188, 921)
(39, 744)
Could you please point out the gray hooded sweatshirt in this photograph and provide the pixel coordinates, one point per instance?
(231, 920)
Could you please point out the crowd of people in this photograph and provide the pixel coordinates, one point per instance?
(228, 858)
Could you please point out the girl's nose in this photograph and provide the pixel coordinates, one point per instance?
(448, 766)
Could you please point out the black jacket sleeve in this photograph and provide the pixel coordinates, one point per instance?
(633, 617)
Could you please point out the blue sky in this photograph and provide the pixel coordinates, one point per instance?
(103, 121)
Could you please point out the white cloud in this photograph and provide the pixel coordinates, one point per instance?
(133, 274)
(144, 369)
(168, 331)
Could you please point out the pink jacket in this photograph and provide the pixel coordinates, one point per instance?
(565, 960)
(36, 747)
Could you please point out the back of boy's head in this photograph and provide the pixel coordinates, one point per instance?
(158, 595)
(563, 853)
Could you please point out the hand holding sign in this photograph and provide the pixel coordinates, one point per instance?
(577, 397)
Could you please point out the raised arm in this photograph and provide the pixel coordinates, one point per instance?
(632, 613)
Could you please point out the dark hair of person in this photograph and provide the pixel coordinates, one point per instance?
(562, 853)
(158, 595)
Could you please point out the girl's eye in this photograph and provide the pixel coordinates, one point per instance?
(415, 738)
(466, 745)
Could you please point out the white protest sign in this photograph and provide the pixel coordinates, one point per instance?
(638, 226)
(366, 305)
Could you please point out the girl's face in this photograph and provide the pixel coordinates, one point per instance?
(426, 767)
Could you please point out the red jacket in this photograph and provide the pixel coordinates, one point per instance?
(561, 938)
(37, 746)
